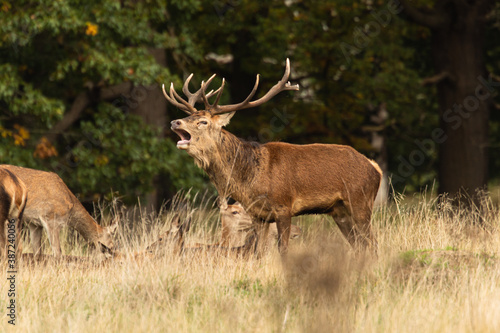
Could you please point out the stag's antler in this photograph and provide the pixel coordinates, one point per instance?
(282, 85)
(201, 96)
(193, 98)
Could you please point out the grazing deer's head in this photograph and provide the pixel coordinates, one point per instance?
(105, 239)
(200, 132)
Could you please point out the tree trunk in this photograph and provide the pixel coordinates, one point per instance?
(150, 104)
(458, 29)
(463, 156)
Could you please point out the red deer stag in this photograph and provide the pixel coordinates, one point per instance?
(13, 196)
(276, 181)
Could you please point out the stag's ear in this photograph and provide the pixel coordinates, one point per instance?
(223, 119)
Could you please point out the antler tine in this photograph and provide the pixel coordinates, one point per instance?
(219, 94)
(208, 81)
(211, 93)
(185, 87)
(282, 85)
(198, 95)
(187, 105)
(203, 95)
(239, 106)
(173, 101)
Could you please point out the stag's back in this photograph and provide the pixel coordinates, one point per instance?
(314, 176)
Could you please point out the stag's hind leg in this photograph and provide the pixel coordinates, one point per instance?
(283, 224)
(355, 225)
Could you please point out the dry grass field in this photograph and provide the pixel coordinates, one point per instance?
(436, 271)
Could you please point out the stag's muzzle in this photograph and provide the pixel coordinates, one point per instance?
(183, 143)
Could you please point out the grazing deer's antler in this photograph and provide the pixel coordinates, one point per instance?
(201, 96)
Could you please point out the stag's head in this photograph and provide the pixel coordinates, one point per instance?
(200, 131)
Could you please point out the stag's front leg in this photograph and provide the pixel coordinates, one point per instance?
(262, 243)
(283, 224)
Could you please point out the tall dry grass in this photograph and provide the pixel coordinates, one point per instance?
(436, 271)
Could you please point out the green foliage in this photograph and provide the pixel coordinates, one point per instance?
(52, 51)
(122, 154)
(339, 89)
(348, 57)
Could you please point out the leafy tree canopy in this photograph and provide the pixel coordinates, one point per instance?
(351, 58)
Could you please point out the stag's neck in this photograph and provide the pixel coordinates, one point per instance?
(234, 164)
(85, 224)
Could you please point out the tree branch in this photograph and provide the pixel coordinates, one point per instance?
(432, 20)
(435, 79)
(107, 93)
(82, 101)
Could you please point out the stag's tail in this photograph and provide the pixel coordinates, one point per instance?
(381, 194)
(377, 167)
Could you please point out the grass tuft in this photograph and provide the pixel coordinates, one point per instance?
(437, 270)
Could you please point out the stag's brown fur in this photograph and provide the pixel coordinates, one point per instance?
(13, 196)
(51, 205)
(276, 181)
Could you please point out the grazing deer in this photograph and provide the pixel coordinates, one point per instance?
(237, 226)
(51, 205)
(276, 181)
(13, 196)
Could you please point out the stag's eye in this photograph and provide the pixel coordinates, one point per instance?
(202, 122)
(235, 213)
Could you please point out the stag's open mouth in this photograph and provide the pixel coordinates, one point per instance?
(183, 143)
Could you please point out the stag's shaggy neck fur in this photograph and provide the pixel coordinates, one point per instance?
(234, 164)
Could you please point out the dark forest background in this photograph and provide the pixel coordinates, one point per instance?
(413, 84)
